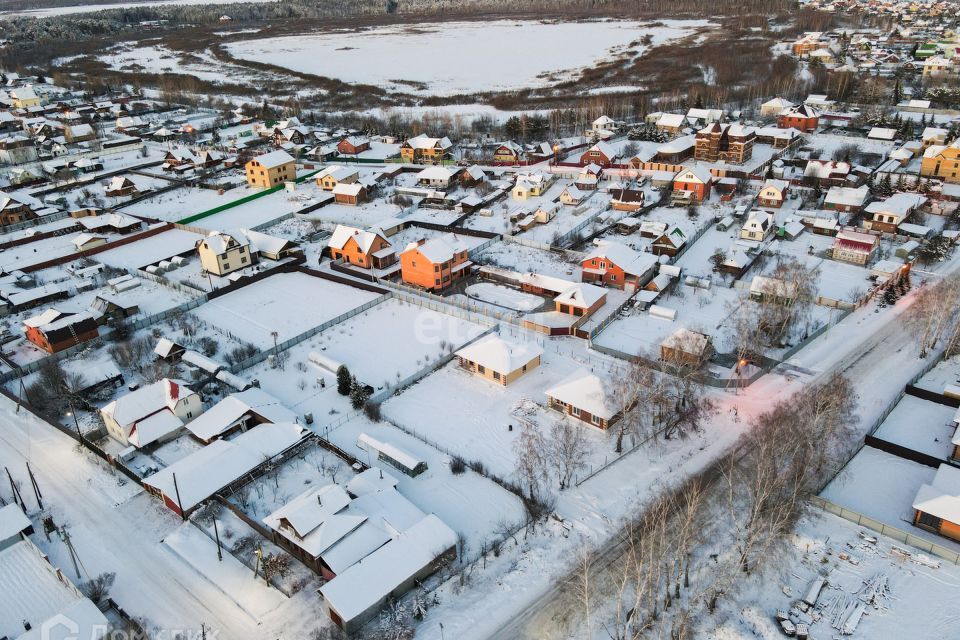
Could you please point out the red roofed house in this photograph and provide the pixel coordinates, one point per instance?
(855, 247)
(695, 180)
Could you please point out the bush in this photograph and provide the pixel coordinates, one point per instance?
(477, 466)
(372, 410)
(457, 465)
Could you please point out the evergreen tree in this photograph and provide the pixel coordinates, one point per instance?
(358, 394)
(343, 380)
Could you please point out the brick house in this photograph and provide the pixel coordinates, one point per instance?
(55, 331)
(696, 181)
(854, 247)
(617, 265)
(436, 263)
(799, 117)
(366, 249)
(500, 361)
(731, 143)
(423, 149)
(353, 145)
(601, 154)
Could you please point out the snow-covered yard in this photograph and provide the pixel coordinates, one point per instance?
(287, 303)
(471, 416)
(503, 296)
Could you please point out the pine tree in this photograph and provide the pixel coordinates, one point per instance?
(358, 394)
(343, 380)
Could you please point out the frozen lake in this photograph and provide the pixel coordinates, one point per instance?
(462, 57)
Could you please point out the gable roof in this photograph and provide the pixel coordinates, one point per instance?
(631, 261)
(273, 159)
(364, 239)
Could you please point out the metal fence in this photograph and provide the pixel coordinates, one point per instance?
(887, 530)
(262, 355)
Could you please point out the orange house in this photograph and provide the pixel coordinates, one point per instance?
(581, 299)
(434, 264)
(696, 180)
(367, 249)
(617, 265)
(936, 506)
(55, 331)
(800, 117)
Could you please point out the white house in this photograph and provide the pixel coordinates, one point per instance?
(758, 226)
(151, 413)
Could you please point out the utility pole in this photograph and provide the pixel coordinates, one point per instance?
(73, 552)
(76, 422)
(36, 487)
(216, 532)
(17, 498)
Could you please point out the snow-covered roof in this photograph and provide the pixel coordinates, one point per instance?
(435, 173)
(370, 481)
(223, 415)
(147, 400)
(584, 391)
(348, 189)
(206, 471)
(12, 521)
(219, 242)
(113, 220)
(165, 347)
(696, 173)
(582, 295)
(33, 591)
(687, 341)
(631, 261)
(264, 243)
(364, 239)
(367, 583)
(274, 159)
(439, 249)
(423, 141)
(899, 204)
(497, 354)
(847, 196)
(671, 120)
(397, 454)
(768, 286)
(941, 498)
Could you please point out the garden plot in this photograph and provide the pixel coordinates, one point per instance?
(148, 251)
(707, 311)
(280, 307)
(468, 503)
(882, 486)
(835, 280)
(26, 255)
(362, 216)
(393, 340)
(922, 590)
(523, 259)
(920, 425)
(183, 202)
(470, 416)
(568, 216)
(427, 60)
(505, 297)
(264, 210)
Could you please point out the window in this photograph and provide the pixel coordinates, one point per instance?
(496, 375)
(189, 414)
(437, 282)
(226, 265)
(481, 368)
(436, 267)
(243, 260)
(596, 420)
(574, 411)
(927, 520)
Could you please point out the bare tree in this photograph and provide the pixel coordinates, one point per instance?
(530, 449)
(567, 450)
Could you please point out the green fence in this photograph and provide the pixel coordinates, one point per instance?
(241, 201)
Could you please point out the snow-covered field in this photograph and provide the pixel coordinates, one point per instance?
(920, 425)
(287, 303)
(431, 59)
